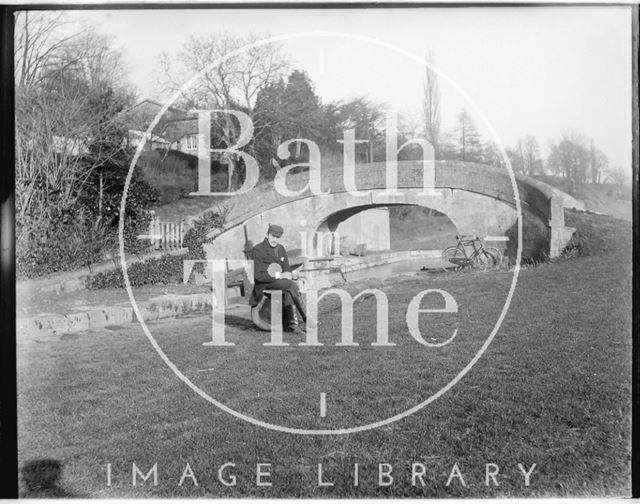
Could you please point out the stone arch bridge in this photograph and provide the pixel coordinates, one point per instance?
(478, 199)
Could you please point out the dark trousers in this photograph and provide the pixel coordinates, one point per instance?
(290, 294)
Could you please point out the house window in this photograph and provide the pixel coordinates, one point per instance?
(192, 142)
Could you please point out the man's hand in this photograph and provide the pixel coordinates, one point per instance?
(286, 274)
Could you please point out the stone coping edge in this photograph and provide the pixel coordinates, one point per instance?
(156, 308)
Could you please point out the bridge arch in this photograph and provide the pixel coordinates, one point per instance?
(372, 225)
(333, 220)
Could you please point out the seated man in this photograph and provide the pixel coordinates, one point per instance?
(272, 272)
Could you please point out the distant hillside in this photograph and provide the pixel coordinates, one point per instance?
(599, 198)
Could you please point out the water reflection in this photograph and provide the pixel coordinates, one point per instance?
(408, 266)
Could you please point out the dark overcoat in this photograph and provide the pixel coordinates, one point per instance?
(264, 255)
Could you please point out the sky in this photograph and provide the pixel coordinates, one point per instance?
(521, 71)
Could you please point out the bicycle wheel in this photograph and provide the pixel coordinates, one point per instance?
(485, 260)
(451, 257)
(497, 255)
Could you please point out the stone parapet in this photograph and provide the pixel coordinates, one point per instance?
(264, 203)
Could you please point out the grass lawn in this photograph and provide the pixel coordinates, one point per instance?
(553, 389)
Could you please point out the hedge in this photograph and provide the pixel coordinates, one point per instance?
(165, 270)
(168, 269)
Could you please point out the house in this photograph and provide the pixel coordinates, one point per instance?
(67, 146)
(177, 129)
(135, 137)
(183, 134)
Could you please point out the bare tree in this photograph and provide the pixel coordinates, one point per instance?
(67, 99)
(570, 157)
(521, 156)
(598, 161)
(39, 42)
(515, 157)
(618, 176)
(431, 106)
(232, 84)
(530, 152)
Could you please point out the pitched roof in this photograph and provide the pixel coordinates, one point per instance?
(175, 129)
(140, 116)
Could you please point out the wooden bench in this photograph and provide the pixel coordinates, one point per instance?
(238, 279)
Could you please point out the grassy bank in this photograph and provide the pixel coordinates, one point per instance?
(553, 389)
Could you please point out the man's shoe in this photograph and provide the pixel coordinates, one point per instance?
(298, 330)
(290, 321)
(301, 306)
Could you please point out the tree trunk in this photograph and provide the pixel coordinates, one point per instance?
(100, 196)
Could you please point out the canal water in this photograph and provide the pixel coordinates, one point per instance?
(405, 267)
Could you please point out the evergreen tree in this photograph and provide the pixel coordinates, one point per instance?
(304, 115)
(269, 126)
(431, 106)
(492, 156)
(283, 112)
(467, 138)
(363, 116)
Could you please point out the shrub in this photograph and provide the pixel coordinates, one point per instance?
(535, 241)
(196, 236)
(64, 240)
(168, 269)
(71, 242)
(575, 247)
(78, 235)
(39, 256)
(165, 270)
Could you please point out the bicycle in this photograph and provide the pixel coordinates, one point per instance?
(456, 257)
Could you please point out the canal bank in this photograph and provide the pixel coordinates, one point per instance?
(112, 308)
(324, 272)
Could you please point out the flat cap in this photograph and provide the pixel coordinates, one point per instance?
(275, 230)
